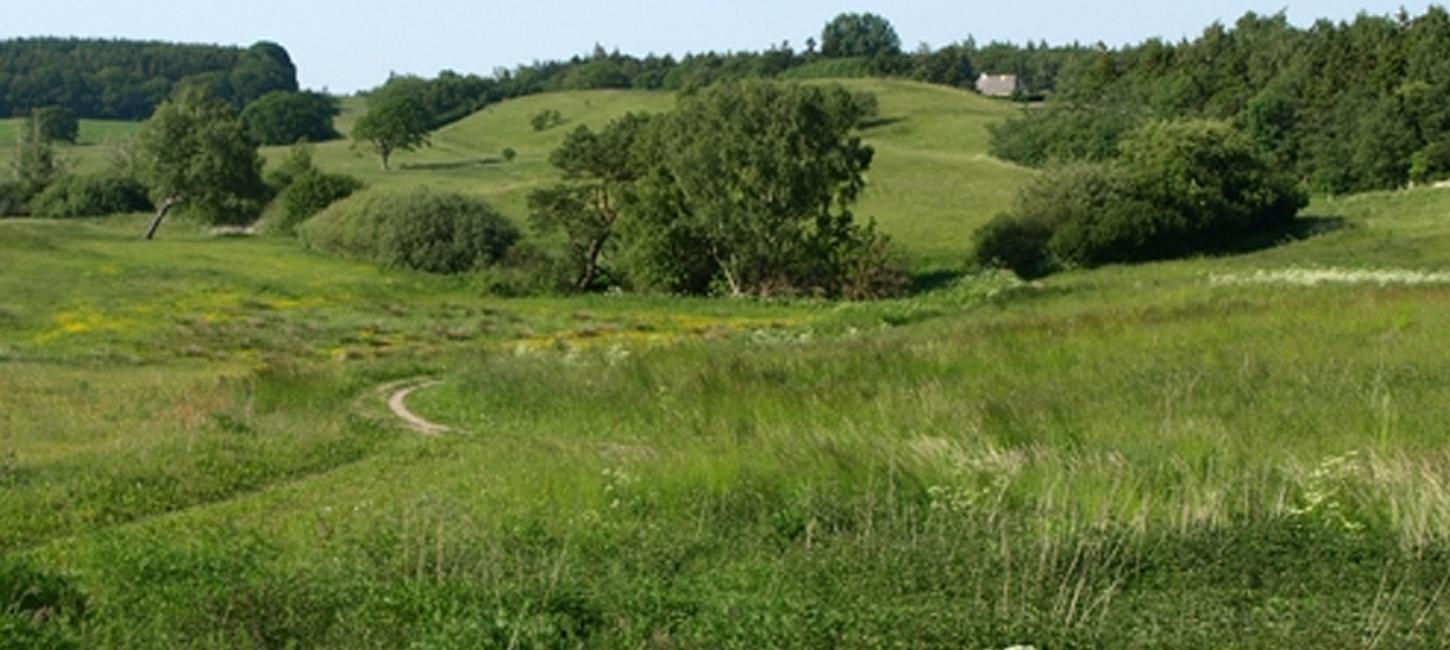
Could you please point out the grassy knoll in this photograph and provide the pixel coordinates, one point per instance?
(931, 184)
(1173, 454)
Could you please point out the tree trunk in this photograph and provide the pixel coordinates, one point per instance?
(161, 211)
(727, 269)
(591, 264)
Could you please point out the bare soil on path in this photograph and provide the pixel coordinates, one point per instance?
(396, 394)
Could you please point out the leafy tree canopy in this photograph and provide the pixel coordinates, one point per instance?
(397, 119)
(117, 79)
(1345, 107)
(1179, 187)
(755, 186)
(598, 169)
(864, 35)
(55, 124)
(282, 117)
(195, 153)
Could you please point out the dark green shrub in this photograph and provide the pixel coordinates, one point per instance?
(867, 267)
(418, 229)
(528, 270)
(1014, 243)
(1212, 176)
(1431, 163)
(283, 117)
(297, 162)
(55, 124)
(310, 193)
(90, 196)
(1042, 136)
(546, 119)
(15, 199)
(36, 607)
(1179, 188)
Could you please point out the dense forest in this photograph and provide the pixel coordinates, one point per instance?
(127, 79)
(1346, 106)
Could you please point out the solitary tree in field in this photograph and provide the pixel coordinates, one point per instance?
(396, 120)
(598, 169)
(36, 164)
(283, 117)
(193, 151)
(55, 124)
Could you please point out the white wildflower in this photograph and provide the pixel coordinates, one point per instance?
(1319, 276)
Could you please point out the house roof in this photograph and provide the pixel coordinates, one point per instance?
(997, 85)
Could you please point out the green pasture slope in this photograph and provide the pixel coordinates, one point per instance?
(931, 183)
(1240, 451)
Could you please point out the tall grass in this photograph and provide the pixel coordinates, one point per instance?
(193, 454)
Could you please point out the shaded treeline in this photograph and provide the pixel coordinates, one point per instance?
(1346, 106)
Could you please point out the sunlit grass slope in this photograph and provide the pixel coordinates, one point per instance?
(1181, 454)
(467, 156)
(1236, 451)
(931, 184)
(118, 352)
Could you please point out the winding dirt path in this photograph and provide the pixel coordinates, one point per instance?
(397, 393)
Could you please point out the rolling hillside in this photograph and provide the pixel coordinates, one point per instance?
(191, 437)
(1244, 450)
(931, 184)
(932, 181)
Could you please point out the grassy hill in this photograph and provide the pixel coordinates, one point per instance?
(931, 184)
(1236, 451)
(190, 435)
(932, 181)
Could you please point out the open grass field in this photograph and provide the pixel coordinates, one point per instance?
(1239, 451)
(92, 132)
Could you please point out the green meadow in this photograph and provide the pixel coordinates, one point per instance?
(1247, 450)
(91, 133)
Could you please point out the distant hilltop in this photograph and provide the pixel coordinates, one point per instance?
(120, 79)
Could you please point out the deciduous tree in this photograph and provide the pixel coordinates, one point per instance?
(193, 151)
(762, 176)
(598, 170)
(55, 124)
(282, 117)
(396, 121)
(864, 35)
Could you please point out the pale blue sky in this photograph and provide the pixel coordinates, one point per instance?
(345, 45)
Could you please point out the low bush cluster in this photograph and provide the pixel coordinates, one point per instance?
(302, 190)
(417, 229)
(1177, 188)
(93, 195)
(14, 199)
(546, 119)
(310, 193)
